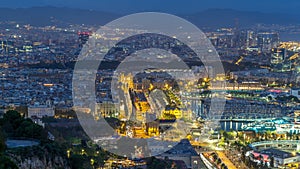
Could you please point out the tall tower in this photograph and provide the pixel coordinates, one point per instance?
(83, 37)
(266, 41)
(278, 55)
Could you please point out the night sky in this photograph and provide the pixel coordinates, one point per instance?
(170, 6)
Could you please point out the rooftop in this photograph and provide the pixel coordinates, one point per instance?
(278, 153)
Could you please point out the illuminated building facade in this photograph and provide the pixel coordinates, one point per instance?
(174, 111)
(83, 37)
(277, 56)
(107, 109)
(266, 41)
(40, 111)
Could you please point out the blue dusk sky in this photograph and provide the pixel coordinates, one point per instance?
(169, 6)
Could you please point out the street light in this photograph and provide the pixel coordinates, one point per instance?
(68, 153)
(92, 161)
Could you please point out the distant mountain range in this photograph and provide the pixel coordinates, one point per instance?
(229, 17)
(41, 16)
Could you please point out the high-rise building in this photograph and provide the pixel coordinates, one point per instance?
(241, 39)
(277, 55)
(267, 40)
(251, 39)
(279, 60)
(83, 37)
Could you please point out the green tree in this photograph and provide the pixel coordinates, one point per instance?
(154, 163)
(12, 116)
(2, 141)
(272, 161)
(7, 163)
(79, 162)
(14, 125)
(11, 120)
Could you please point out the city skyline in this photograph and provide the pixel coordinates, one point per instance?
(145, 84)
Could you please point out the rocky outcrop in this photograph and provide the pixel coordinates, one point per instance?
(45, 162)
(39, 157)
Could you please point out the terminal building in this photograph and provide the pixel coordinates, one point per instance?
(276, 157)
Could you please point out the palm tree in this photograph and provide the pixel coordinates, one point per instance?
(218, 161)
(268, 135)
